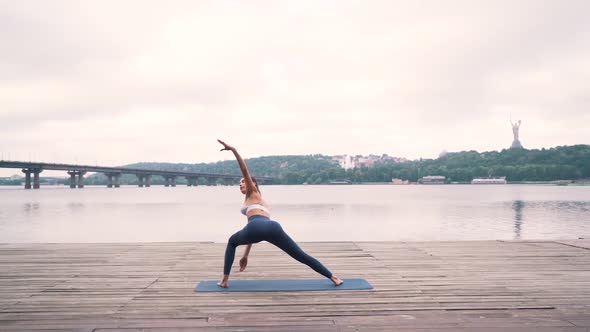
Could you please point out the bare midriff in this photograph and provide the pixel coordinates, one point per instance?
(257, 212)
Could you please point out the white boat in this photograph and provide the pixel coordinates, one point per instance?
(432, 179)
(337, 182)
(501, 180)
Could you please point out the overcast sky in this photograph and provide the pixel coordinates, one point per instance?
(118, 82)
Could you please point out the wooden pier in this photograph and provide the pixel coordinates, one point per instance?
(419, 286)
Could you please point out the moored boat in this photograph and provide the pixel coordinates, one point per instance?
(499, 180)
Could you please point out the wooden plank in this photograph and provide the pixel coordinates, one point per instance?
(419, 286)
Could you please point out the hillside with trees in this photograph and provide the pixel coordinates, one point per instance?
(559, 163)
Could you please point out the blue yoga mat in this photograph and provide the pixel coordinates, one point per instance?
(289, 285)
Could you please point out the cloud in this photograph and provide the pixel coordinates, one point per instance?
(151, 80)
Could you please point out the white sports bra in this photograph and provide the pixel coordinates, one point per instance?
(247, 208)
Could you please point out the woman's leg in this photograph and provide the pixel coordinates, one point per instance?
(234, 241)
(239, 238)
(284, 242)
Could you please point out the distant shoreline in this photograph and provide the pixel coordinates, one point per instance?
(585, 183)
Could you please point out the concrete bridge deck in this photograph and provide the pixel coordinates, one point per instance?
(113, 174)
(427, 286)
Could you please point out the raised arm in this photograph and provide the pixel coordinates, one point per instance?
(250, 186)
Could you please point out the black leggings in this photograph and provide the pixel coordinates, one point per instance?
(261, 228)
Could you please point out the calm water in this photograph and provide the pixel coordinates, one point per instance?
(308, 213)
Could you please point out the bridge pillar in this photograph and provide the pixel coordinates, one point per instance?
(117, 180)
(27, 178)
(148, 180)
(36, 184)
(170, 181)
(191, 181)
(109, 180)
(79, 182)
(81, 179)
(35, 181)
(140, 180)
(72, 179)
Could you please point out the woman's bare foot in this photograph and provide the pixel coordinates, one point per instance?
(223, 283)
(337, 281)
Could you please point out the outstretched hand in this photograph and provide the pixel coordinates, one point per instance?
(243, 263)
(225, 146)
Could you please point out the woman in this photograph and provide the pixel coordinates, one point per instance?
(261, 228)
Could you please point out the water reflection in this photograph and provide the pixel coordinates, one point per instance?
(31, 207)
(560, 206)
(570, 205)
(308, 213)
(76, 205)
(518, 206)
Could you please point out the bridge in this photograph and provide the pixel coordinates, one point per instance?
(113, 174)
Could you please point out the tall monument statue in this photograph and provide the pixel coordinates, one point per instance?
(515, 127)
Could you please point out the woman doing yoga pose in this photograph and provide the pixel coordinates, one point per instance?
(261, 228)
